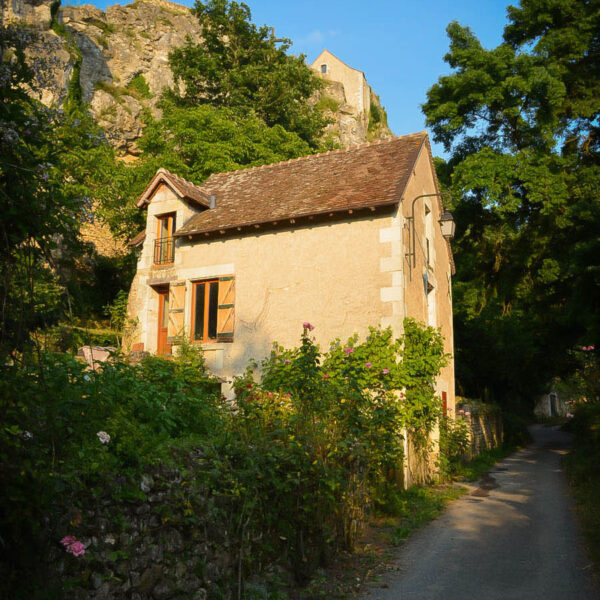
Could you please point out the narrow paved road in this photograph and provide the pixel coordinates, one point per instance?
(512, 537)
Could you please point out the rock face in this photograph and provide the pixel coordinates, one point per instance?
(122, 59)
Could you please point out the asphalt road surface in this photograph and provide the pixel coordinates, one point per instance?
(512, 537)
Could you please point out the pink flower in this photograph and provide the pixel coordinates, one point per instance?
(72, 546)
(461, 412)
(325, 376)
(368, 365)
(584, 348)
(308, 326)
(385, 371)
(570, 415)
(349, 350)
(287, 361)
(76, 549)
(467, 414)
(591, 348)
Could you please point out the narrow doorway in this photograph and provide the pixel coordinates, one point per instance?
(163, 347)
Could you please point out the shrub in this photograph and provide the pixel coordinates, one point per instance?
(454, 444)
(51, 457)
(295, 464)
(139, 86)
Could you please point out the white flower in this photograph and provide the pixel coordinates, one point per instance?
(103, 437)
(87, 378)
(27, 435)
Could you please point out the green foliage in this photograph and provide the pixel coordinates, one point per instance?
(583, 469)
(375, 115)
(295, 464)
(415, 507)
(583, 384)
(45, 158)
(521, 124)
(239, 65)
(139, 86)
(200, 140)
(51, 457)
(328, 103)
(320, 439)
(454, 444)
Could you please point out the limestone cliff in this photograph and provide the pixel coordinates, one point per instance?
(120, 57)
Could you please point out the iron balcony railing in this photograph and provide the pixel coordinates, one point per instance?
(164, 251)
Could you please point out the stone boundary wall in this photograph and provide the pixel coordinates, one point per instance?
(486, 429)
(161, 536)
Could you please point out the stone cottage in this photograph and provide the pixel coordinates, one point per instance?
(245, 258)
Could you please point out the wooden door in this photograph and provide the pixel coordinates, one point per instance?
(163, 347)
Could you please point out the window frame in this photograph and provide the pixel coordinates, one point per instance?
(206, 317)
(169, 251)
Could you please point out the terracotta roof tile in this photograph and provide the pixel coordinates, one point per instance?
(184, 188)
(358, 177)
(137, 240)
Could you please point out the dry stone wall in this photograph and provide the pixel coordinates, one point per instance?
(486, 428)
(161, 536)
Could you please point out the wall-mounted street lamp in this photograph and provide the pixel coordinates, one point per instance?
(446, 223)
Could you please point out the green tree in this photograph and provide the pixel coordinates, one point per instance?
(197, 141)
(239, 65)
(520, 122)
(48, 168)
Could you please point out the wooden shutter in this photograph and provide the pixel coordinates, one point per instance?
(176, 312)
(226, 310)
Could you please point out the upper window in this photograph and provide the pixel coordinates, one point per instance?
(212, 306)
(164, 246)
(323, 68)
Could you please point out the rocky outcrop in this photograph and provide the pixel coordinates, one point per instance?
(347, 125)
(120, 57)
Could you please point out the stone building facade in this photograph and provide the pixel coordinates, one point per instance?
(244, 259)
(356, 89)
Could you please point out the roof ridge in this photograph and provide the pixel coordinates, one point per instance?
(309, 156)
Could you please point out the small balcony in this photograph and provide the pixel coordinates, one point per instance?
(164, 251)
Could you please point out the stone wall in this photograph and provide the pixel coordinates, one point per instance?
(161, 536)
(486, 426)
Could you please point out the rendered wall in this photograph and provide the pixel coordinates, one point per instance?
(434, 308)
(330, 274)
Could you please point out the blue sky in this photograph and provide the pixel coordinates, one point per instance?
(399, 44)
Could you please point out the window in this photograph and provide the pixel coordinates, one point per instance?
(323, 68)
(164, 246)
(206, 297)
(212, 310)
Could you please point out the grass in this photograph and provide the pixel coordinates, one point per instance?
(328, 103)
(474, 469)
(417, 506)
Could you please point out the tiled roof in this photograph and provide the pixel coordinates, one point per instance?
(137, 240)
(363, 176)
(185, 189)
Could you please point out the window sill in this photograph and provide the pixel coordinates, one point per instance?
(216, 345)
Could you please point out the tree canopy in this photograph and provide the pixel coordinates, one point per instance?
(520, 122)
(239, 65)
